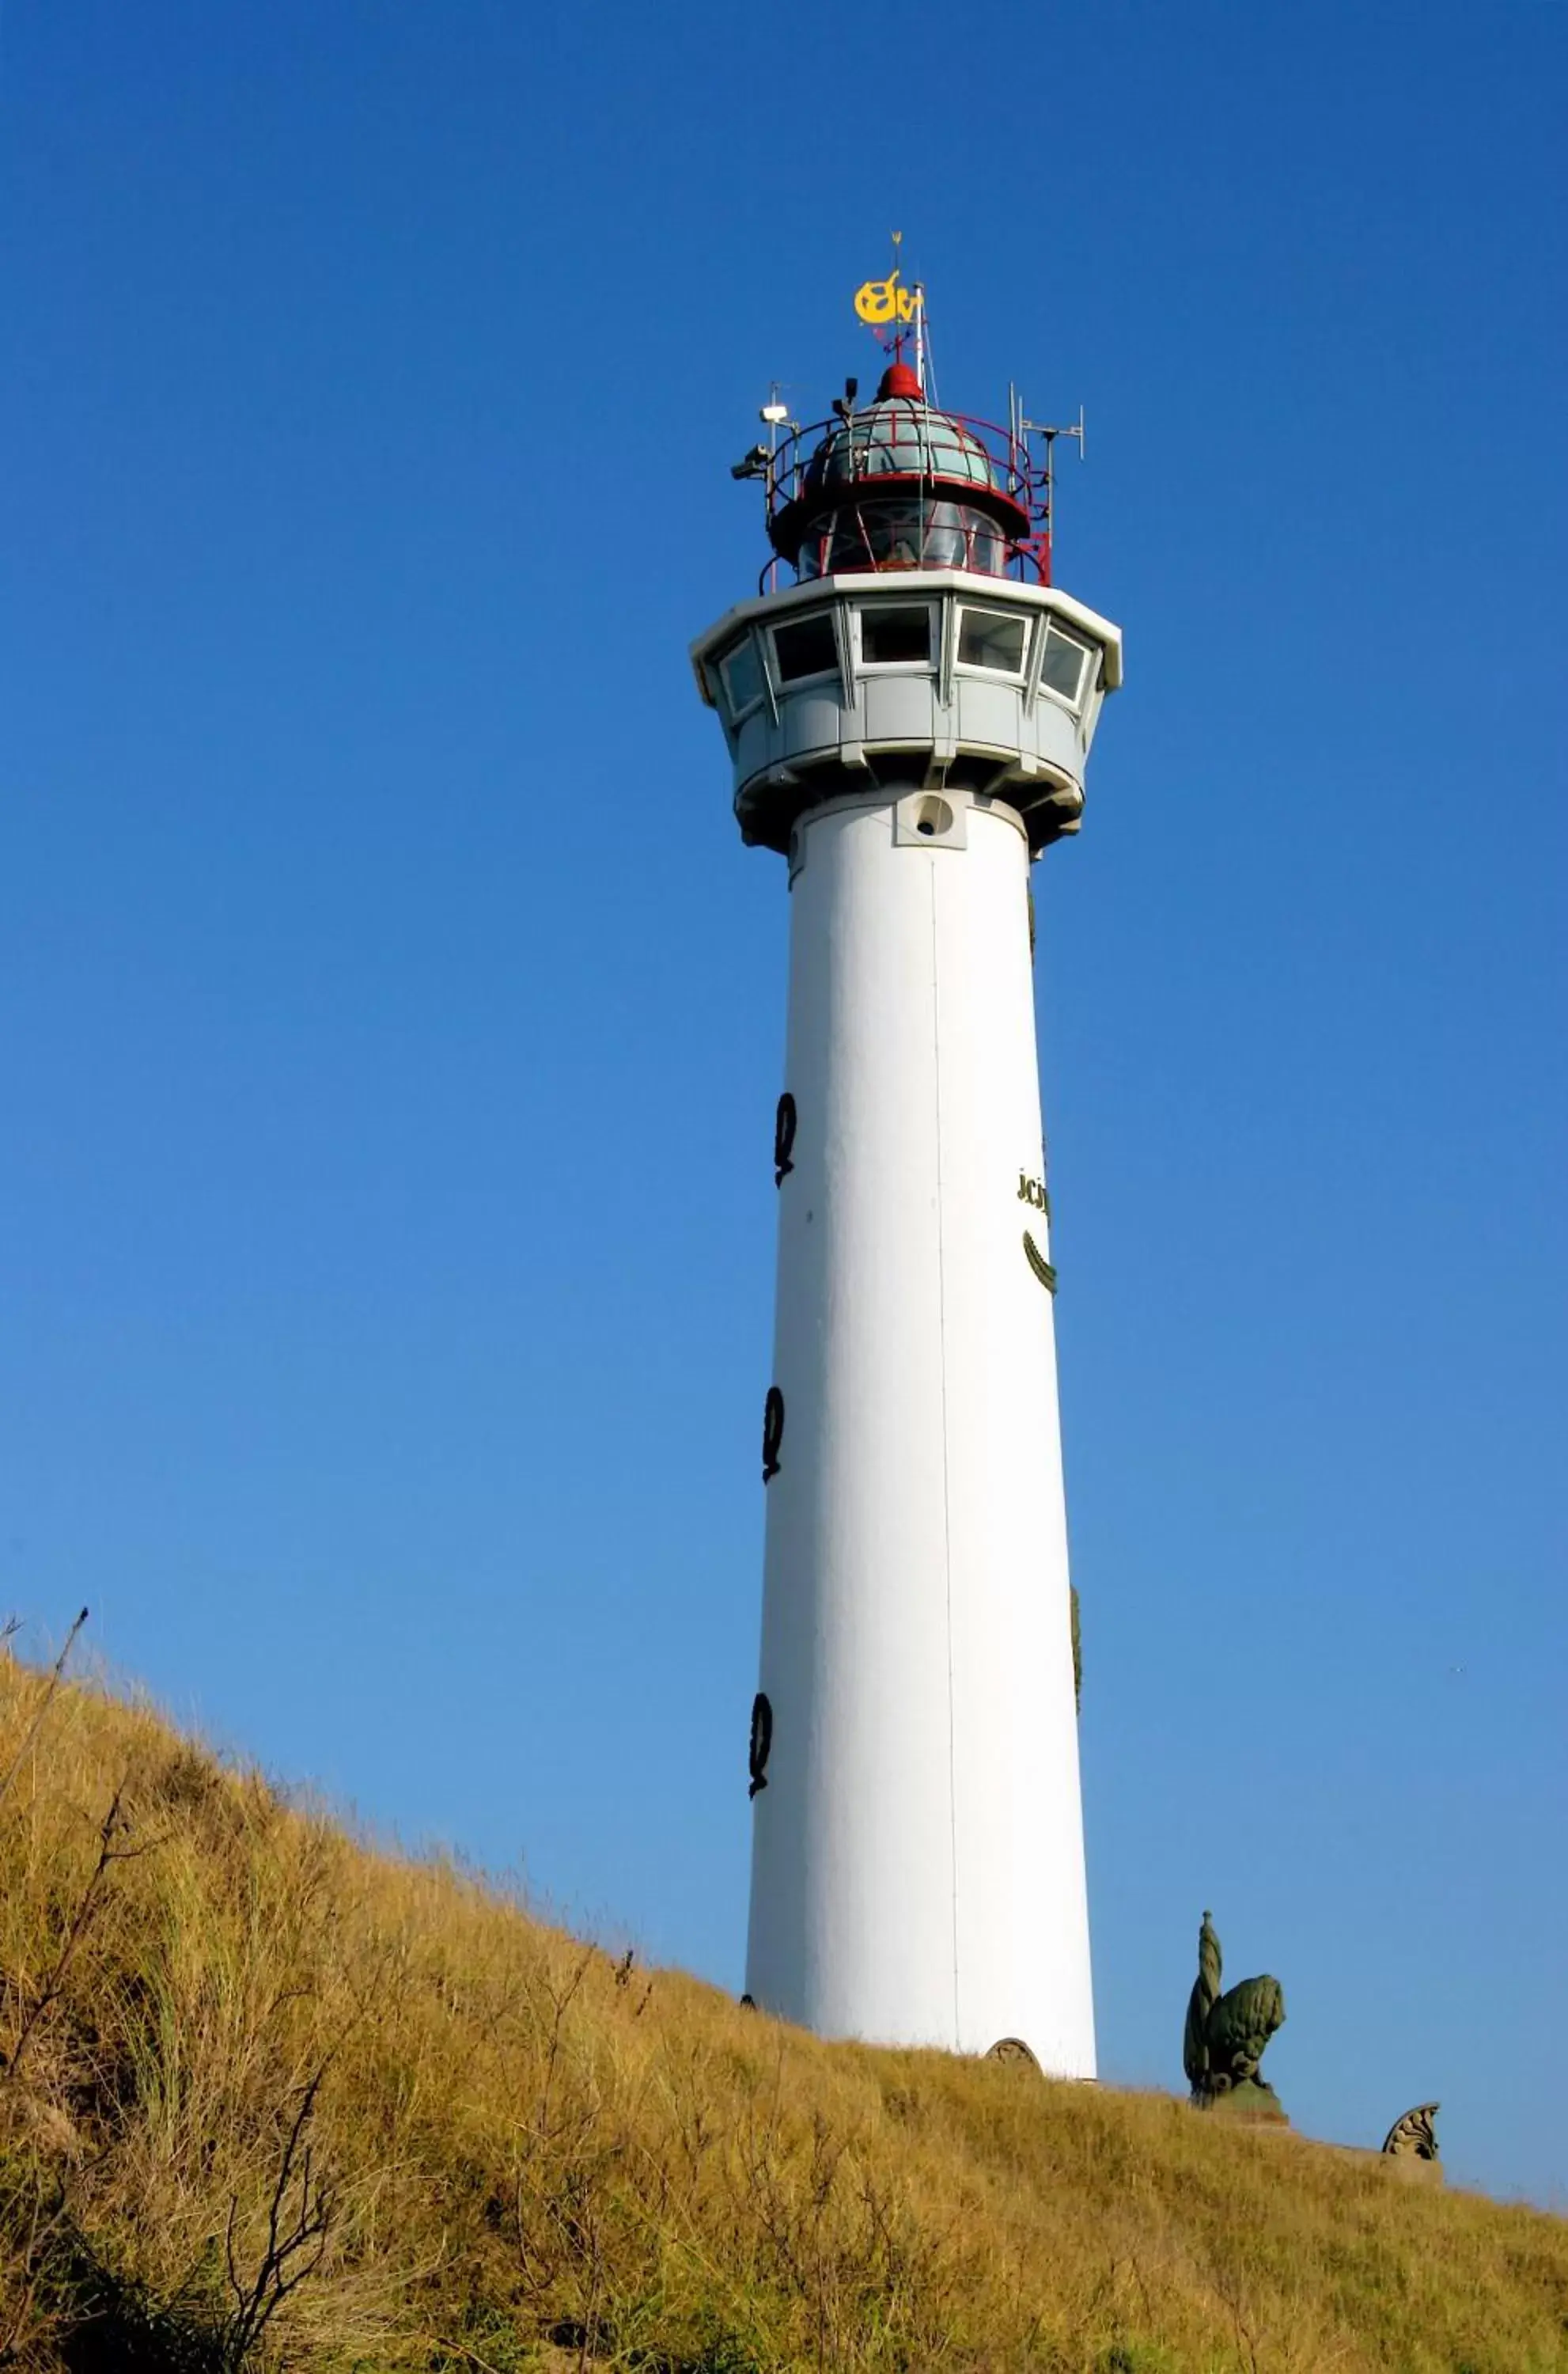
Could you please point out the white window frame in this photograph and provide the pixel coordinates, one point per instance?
(932, 660)
(1093, 654)
(976, 668)
(784, 686)
(732, 711)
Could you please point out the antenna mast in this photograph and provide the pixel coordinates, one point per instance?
(1050, 432)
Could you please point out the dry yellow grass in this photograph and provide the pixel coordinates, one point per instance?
(225, 2024)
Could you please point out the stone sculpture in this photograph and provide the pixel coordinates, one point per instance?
(1409, 2148)
(1412, 2137)
(1225, 2036)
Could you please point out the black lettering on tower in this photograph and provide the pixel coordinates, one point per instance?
(762, 1741)
(784, 1121)
(772, 1432)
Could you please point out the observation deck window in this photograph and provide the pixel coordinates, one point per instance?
(805, 647)
(896, 634)
(1062, 666)
(993, 640)
(740, 674)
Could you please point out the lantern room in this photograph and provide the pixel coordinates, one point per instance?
(901, 485)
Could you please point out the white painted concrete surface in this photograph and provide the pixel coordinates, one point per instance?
(918, 1870)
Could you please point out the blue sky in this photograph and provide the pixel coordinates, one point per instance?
(391, 1020)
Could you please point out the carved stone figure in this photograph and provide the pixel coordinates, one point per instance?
(1409, 2148)
(1412, 2137)
(1226, 2036)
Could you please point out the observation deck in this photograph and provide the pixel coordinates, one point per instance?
(841, 685)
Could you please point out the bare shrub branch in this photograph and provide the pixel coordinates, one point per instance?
(293, 2251)
(110, 1851)
(43, 1706)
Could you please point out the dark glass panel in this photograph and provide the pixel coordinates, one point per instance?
(989, 639)
(1061, 667)
(901, 632)
(805, 647)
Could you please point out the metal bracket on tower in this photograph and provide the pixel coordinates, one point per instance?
(1050, 432)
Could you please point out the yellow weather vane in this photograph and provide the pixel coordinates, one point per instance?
(885, 300)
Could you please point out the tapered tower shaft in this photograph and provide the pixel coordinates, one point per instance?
(918, 1868)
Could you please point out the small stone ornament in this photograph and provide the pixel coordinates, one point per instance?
(1412, 2137)
(1411, 2144)
(1226, 2036)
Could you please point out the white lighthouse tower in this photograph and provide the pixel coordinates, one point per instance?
(909, 721)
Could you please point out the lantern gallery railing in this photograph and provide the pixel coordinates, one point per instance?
(902, 486)
(920, 534)
(903, 440)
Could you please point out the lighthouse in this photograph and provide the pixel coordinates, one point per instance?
(909, 703)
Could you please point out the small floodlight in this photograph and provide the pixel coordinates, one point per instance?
(774, 414)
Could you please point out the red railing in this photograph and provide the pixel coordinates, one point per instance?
(919, 442)
(929, 448)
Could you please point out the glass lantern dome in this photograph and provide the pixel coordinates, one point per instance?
(900, 486)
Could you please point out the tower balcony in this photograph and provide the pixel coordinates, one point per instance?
(928, 678)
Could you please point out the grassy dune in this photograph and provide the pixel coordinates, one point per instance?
(270, 2098)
